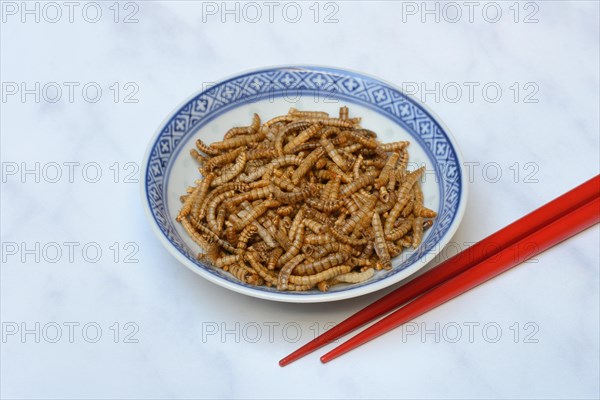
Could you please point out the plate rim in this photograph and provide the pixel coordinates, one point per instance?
(321, 296)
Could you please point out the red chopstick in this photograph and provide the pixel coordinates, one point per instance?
(539, 241)
(457, 264)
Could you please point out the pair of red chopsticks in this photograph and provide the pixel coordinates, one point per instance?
(536, 232)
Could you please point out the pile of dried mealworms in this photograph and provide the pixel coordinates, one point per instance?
(304, 200)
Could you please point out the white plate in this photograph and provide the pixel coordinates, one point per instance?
(168, 168)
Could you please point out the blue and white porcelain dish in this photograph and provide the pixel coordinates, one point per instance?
(168, 168)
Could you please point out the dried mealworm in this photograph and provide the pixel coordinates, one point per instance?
(224, 158)
(260, 153)
(314, 226)
(402, 164)
(350, 205)
(306, 164)
(197, 156)
(220, 219)
(196, 237)
(262, 271)
(268, 220)
(273, 258)
(334, 122)
(333, 154)
(356, 277)
(239, 141)
(325, 263)
(343, 113)
(294, 248)
(232, 171)
(244, 237)
(350, 149)
(236, 131)
(394, 249)
(325, 206)
(281, 118)
(319, 239)
(347, 239)
(292, 197)
(188, 203)
(321, 162)
(284, 183)
(255, 125)
(336, 247)
(256, 212)
(227, 260)
(308, 114)
(394, 146)
(331, 175)
(286, 271)
(197, 202)
(286, 222)
(254, 194)
(403, 198)
(360, 261)
(323, 286)
(213, 237)
(333, 167)
(387, 170)
(334, 191)
(418, 208)
(260, 248)
(242, 274)
(324, 275)
(296, 223)
(299, 288)
(311, 213)
(288, 159)
(407, 210)
(405, 241)
(383, 207)
(379, 244)
(302, 137)
(361, 214)
(427, 224)
(363, 181)
(417, 232)
(356, 167)
(230, 233)
(401, 230)
(284, 211)
(212, 208)
(357, 137)
(209, 150)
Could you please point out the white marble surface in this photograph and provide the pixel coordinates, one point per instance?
(170, 53)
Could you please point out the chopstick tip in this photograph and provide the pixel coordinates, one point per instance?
(284, 361)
